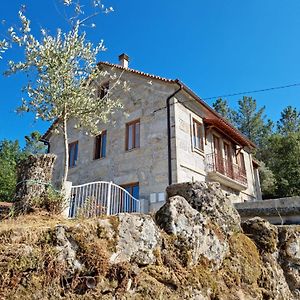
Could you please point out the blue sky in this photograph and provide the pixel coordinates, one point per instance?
(216, 47)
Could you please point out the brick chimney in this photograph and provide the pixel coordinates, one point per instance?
(123, 60)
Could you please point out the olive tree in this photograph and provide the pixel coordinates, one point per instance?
(62, 75)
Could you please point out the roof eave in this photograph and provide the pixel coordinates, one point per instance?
(196, 97)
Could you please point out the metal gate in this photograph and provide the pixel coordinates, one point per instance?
(100, 198)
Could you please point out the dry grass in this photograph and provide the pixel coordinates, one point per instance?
(30, 267)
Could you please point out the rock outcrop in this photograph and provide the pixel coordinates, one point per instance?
(210, 201)
(264, 234)
(193, 248)
(289, 256)
(195, 234)
(138, 238)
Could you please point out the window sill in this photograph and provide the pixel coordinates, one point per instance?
(199, 151)
(100, 158)
(133, 149)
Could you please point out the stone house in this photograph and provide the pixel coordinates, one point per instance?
(164, 134)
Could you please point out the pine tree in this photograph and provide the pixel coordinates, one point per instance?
(251, 121)
(221, 106)
(289, 121)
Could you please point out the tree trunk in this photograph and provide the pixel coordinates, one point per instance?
(66, 146)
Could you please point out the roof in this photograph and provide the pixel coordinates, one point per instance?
(215, 118)
(137, 72)
(228, 130)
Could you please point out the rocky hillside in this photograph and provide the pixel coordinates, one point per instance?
(194, 247)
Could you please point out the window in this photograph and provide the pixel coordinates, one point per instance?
(132, 189)
(198, 135)
(100, 145)
(103, 90)
(73, 154)
(241, 162)
(132, 135)
(127, 203)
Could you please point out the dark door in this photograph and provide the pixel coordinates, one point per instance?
(218, 155)
(228, 160)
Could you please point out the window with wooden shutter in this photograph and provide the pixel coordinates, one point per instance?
(73, 154)
(100, 145)
(132, 135)
(241, 162)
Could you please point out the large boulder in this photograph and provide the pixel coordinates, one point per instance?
(209, 199)
(138, 238)
(274, 276)
(289, 256)
(194, 233)
(273, 280)
(264, 234)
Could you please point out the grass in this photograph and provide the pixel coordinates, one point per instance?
(30, 267)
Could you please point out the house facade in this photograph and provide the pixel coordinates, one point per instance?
(163, 134)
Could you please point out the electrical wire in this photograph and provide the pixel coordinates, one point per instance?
(254, 91)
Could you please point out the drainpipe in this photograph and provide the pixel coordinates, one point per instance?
(46, 143)
(169, 130)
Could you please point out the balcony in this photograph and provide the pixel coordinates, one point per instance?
(224, 171)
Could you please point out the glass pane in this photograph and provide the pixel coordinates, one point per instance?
(76, 153)
(199, 136)
(137, 135)
(71, 155)
(136, 191)
(103, 145)
(194, 135)
(130, 137)
(127, 199)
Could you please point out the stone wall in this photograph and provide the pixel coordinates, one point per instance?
(34, 174)
(276, 211)
(148, 164)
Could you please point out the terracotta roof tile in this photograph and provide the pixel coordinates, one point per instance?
(229, 130)
(137, 72)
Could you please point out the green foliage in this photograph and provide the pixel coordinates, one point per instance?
(33, 144)
(289, 121)
(251, 121)
(52, 201)
(221, 106)
(284, 162)
(268, 181)
(10, 154)
(63, 77)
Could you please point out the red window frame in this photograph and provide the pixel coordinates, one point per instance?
(241, 162)
(132, 141)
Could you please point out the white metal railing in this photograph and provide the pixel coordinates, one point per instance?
(100, 198)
